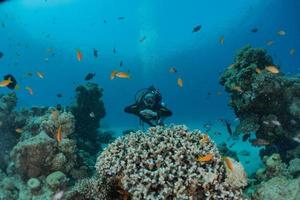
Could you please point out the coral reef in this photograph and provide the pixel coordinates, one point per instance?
(266, 101)
(162, 164)
(8, 137)
(277, 180)
(88, 111)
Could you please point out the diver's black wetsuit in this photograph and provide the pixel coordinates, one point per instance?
(157, 108)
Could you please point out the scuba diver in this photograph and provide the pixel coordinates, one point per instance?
(149, 107)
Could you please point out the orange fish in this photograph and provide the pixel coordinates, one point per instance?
(79, 55)
(122, 75)
(204, 139)
(29, 89)
(113, 74)
(257, 70)
(59, 134)
(222, 40)
(228, 163)
(272, 69)
(205, 158)
(40, 75)
(180, 82)
(5, 83)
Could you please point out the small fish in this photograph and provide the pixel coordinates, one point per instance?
(259, 142)
(172, 70)
(19, 130)
(121, 63)
(196, 28)
(121, 18)
(247, 161)
(228, 163)
(237, 88)
(296, 138)
(113, 74)
(244, 153)
(217, 133)
(228, 127)
(59, 95)
(17, 87)
(231, 66)
(1, 54)
(272, 69)
(123, 75)
(180, 82)
(142, 39)
(59, 195)
(205, 158)
(254, 30)
(29, 89)
(292, 51)
(246, 137)
(92, 115)
(281, 33)
(59, 134)
(221, 40)
(276, 122)
(95, 51)
(114, 50)
(46, 59)
(266, 122)
(231, 145)
(219, 93)
(89, 76)
(257, 70)
(29, 74)
(6, 82)
(79, 55)
(270, 42)
(40, 75)
(204, 139)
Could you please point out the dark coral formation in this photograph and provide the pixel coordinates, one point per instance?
(266, 102)
(88, 111)
(8, 137)
(161, 164)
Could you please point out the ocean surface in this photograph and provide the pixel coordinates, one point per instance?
(144, 39)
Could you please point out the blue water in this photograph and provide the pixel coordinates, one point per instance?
(31, 27)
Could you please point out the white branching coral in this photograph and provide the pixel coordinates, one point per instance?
(166, 163)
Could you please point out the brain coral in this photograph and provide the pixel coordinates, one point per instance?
(162, 164)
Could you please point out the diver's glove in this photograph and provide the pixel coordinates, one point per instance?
(148, 114)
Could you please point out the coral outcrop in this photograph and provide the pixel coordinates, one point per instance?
(264, 99)
(88, 111)
(277, 180)
(8, 137)
(162, 164)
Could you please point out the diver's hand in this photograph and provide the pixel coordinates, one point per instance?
(148, 114)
